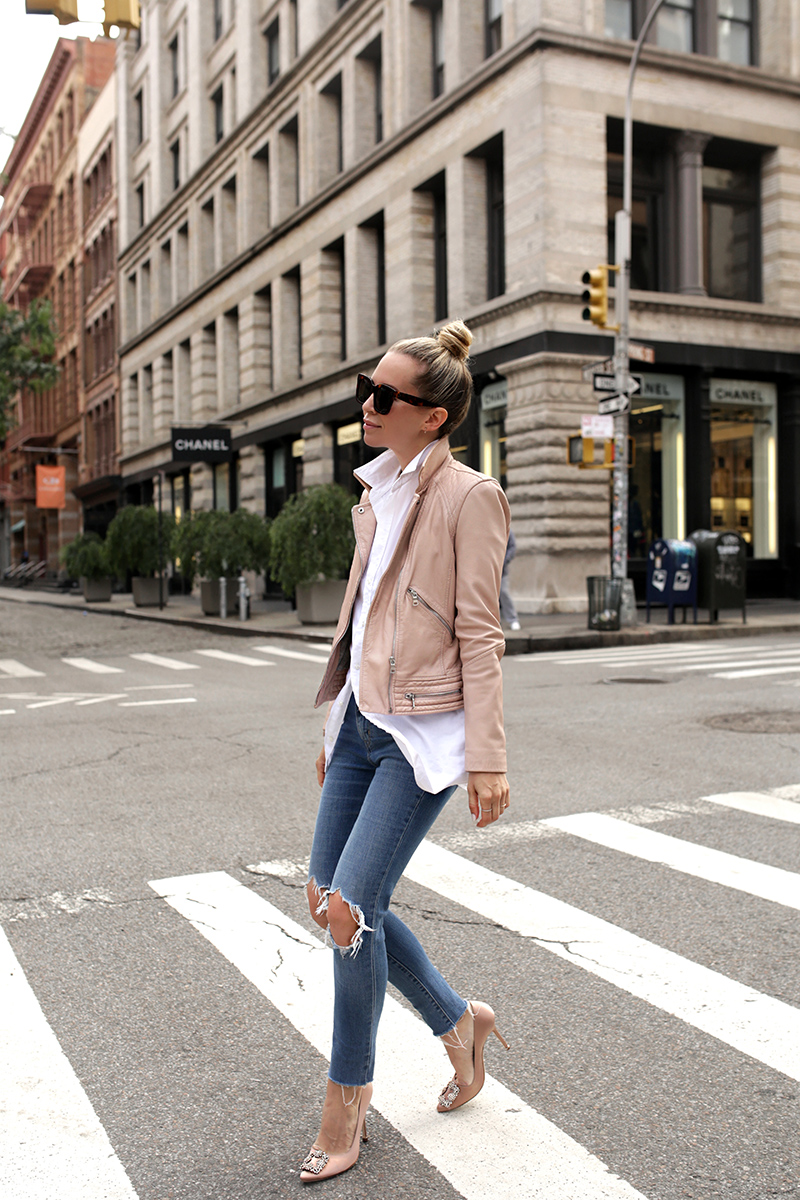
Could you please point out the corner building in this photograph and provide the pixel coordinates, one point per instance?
(304, 182)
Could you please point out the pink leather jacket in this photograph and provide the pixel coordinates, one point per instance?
(433, 640)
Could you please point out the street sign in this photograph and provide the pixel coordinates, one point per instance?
(613, 404)
(641, 353)
(595, 426)
(605, 364)
(608, 383)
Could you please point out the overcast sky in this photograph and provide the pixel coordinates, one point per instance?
(26, 44)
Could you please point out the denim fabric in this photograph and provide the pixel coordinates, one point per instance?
(372, 816)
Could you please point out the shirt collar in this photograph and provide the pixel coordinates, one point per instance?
(382, 471)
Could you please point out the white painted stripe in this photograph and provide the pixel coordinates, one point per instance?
(661, 650)
(766, 661)
(755, 673)
(159, 687)
(51, 703)
(18, 670)
(715, 866)
(760, 805)
(102, 699)
(150, 703)
(51, 1141)
(7, 712)
(496, 1137)
(88, 664)
(760, 1026)
(299, 654)
(226, 656)
(172, 664)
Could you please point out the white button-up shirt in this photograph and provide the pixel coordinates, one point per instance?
(433, 743)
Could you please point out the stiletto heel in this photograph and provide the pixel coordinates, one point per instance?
(319, 1165)
(455, 1094)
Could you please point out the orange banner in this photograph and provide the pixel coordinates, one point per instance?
(51, 487)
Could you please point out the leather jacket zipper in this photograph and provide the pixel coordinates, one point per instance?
(417, 599)
(414, 696)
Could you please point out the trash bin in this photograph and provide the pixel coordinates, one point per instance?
(672, 576)
(605, 598)
(722, 575)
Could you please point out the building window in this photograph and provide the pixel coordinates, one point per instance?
(493, 18)
(619, 19)
(138, 117)
(377, 231)
(217, 20)
(648, 195)
(735, 31)
(273, 52)
(289, 165)
(174, 66)
(331, 131)
(175, 156)
(437, 43)
(219, 116)
(731, 231)
(656, 500)
(495, 213)
(744, 462)
(140, 205)
(675, 26)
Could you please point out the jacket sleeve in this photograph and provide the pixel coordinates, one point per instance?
(480, 542)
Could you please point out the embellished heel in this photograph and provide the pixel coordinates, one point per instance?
(319, 1165)
(456, 1094)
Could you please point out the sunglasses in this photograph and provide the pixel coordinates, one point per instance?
(385, 395)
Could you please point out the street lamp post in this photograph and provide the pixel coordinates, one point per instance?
(622, 231)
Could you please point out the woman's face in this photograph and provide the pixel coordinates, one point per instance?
(406, 429)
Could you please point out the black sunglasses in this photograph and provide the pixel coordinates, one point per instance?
(385, 395)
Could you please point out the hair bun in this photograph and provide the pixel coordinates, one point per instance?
(456, 339)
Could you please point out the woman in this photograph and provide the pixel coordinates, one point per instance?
(416, 689)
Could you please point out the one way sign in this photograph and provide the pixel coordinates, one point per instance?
(608, 383)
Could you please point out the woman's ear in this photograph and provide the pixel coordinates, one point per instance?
(435, 419)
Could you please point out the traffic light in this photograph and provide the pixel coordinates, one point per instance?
(65, 10)
(122, 13)
(596, 296)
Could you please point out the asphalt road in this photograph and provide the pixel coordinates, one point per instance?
(205, 1088)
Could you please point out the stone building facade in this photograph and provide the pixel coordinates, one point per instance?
(42, 252)
(302, 182)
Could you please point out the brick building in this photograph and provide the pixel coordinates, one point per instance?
(305, 181)
(41, 257)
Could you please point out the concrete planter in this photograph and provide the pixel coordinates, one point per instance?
(319, 604)
(95, 590)
(146, 592)
(209, 597)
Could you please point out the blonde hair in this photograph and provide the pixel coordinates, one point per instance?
(444, 374)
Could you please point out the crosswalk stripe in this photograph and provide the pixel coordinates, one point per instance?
(51, 703)
(756, 672)
(703, 862)
(52, 1143)
(760, 1026)
(151, 703)
(88, 664)
(101, 699)
(18, 670)
(759, 804)
(744, 662)
(160, 660)
(7, 712)
(226, 656)
(492, 1138)
(299, 654)
(628, 654)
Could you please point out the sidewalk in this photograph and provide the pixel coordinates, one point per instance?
(541, 632)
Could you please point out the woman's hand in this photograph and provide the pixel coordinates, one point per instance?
(321, 767)
(488, 796)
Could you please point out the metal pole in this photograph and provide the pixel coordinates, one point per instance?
(622, 229)
(160, 549)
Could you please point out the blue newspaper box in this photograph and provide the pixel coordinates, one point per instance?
(672, 576)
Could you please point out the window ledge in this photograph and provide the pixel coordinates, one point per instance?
(711, 306)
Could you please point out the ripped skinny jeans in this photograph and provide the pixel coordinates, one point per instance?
(372, 816)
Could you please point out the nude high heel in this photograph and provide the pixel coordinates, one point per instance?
(319, 1165)
(456, 1094)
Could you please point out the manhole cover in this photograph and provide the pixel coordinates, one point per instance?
(637, 679)
(757, 722)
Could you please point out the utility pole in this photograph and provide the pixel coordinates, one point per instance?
(622, 232)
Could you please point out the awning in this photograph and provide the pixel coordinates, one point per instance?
(18, 526)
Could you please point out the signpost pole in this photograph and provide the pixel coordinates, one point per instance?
(160, 547)
(622, 230)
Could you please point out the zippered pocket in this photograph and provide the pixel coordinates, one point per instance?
(415, 696)
(417, 599)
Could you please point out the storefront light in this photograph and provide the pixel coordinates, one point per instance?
(487, 456)
(680, 489)
(772, 502)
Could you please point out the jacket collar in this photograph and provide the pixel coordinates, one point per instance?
(373, 472)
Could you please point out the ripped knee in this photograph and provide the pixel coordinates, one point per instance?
(346, 923)
(318, 903)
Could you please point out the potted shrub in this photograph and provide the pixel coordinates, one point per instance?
(217, 544)
(311, 547)
(86, 560)
(132, 544)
